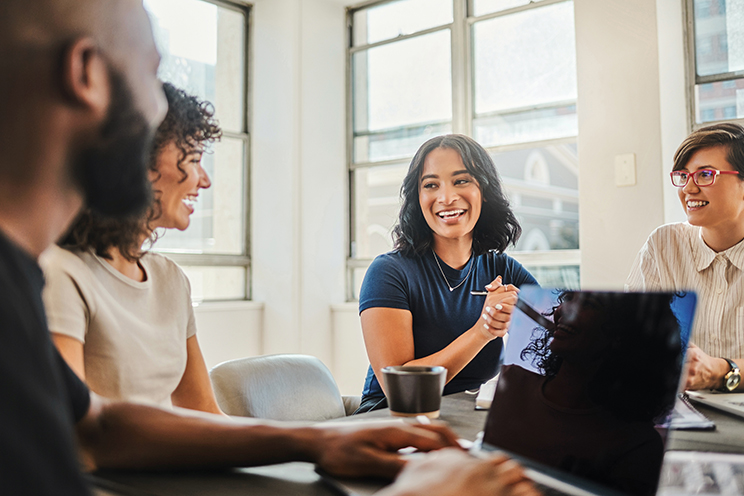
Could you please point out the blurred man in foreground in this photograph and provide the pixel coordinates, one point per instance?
(80, 100)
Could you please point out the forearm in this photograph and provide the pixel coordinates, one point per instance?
(127, 435)
(458, 353)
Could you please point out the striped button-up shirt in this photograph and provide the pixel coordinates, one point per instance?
(675, 257)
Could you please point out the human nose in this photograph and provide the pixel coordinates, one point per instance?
(204, 181)
(691, 186)
(447, 195)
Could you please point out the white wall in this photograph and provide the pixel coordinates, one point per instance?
(631, 87)
(620, 112)
(298, 184)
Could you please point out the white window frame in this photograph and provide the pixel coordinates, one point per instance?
(691, 73)
(463, 114)
(221, 260)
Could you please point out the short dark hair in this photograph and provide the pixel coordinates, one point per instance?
(189, 123)
(726, 134)
(496, 228)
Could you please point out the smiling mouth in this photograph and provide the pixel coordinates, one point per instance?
(696, 203)
(450, 214)
(190, 201)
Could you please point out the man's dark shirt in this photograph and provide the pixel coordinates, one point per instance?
(40, 397)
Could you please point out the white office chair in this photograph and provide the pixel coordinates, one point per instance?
(280, 387)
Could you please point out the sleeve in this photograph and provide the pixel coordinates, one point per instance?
(174, 278)
(67, 310)
(77, 392)
(191, 322)
(644, 274)
(516, 274)
(384, 286)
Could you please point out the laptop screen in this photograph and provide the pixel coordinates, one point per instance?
(586, 381)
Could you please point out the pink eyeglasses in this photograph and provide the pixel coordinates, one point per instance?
(701, 178)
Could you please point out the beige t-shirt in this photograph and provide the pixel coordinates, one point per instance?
(133, 333)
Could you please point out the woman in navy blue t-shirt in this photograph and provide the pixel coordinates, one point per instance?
(415, 303)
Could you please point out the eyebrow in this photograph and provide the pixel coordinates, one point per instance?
(434, 176)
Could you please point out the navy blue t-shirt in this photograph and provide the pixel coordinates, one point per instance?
(439, 316)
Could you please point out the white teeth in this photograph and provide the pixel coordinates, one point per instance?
(696, 203)
(189, 201)
(450, 214)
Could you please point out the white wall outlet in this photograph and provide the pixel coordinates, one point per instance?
(625, 170)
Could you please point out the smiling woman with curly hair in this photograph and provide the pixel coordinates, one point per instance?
(121, 315)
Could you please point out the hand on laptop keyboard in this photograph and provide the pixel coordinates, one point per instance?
(451, 472)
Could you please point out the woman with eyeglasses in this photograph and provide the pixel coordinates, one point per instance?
(445, 294)
(706, 253)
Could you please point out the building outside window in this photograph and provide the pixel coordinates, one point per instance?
(501, 71)
(204, 51)
(716, 64)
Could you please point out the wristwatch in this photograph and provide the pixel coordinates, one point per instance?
(732, 378)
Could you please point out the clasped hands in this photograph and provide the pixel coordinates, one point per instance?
(703, 370)
(498, 309)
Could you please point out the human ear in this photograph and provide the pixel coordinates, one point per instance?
(85, 77)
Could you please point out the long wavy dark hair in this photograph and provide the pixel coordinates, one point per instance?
(190, 124)
(497, 226)
(639, 375)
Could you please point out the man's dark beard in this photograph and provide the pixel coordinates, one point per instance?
(112, 174)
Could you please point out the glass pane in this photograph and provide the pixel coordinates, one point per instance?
(203, 50)
(556, 276)
(525, 59)
(543, 186)
(217, 283)
(218, 222)
(719, 101)
(376, 206)
(482, 7)
(522, 127)
(403, 83)
(395, 144)
(719, 36)
(394, 19)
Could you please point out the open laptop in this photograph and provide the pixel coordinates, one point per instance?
(587, 380)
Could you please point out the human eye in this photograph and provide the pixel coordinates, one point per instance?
(705, 174)
(429, 185)
(463, 181)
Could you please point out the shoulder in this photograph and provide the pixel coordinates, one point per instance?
(512, 271)
(163, 269)
(671, 233)
(56, 261)
(393, 263)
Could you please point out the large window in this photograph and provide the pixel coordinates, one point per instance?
(717, 65)
(204, 47)
(501, 71)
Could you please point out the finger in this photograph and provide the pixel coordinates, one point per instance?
(419, 436)
(443, 431)
(510, 472)
(525, 488)
(495, 284)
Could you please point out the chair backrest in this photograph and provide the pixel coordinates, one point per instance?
(279, 387)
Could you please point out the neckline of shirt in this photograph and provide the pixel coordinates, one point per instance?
(703, 255)
(147, 283)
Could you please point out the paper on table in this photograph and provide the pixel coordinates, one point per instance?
(485, 394)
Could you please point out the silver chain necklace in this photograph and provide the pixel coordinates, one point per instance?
(446, 281)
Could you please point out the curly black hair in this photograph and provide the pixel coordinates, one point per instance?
(497, 226)
(638, 378)
(190, 124)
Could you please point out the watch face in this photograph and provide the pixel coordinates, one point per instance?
(732, 381)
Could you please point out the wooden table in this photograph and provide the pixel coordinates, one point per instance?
(301, 479)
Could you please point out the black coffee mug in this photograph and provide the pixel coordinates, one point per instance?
(413, 390)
